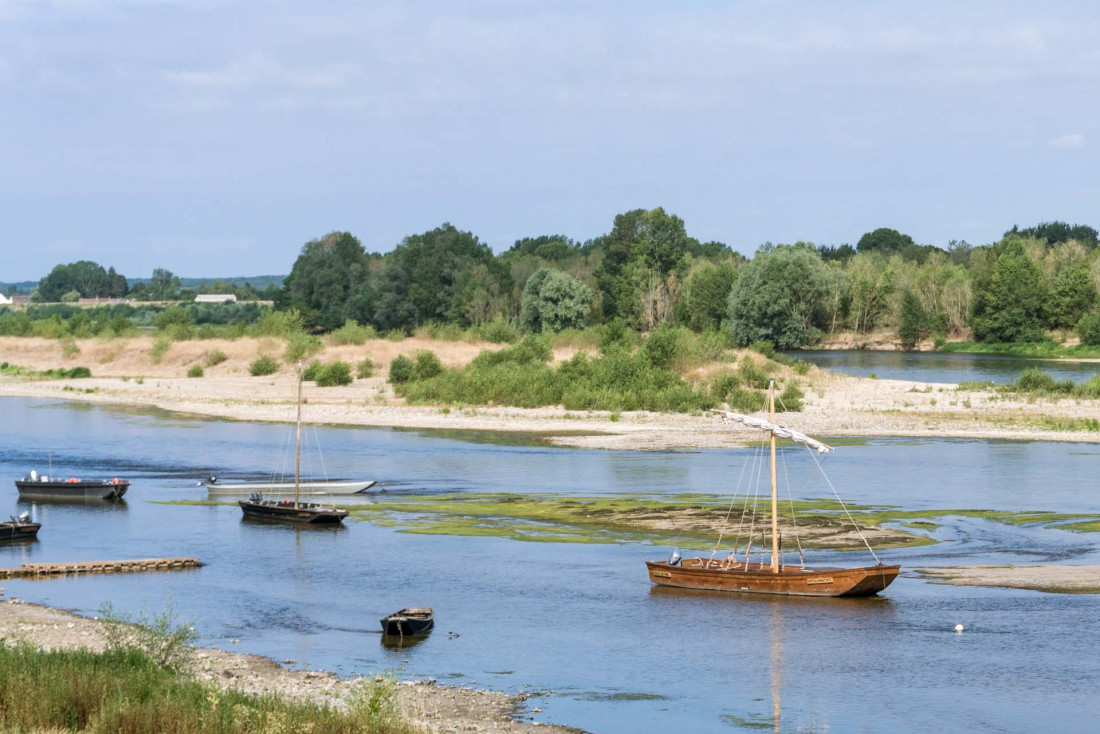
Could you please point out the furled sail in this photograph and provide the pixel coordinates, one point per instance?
(775, 428)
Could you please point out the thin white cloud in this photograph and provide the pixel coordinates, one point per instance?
(1075, 140)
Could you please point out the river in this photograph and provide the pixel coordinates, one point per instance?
(942, 366)
(581, 624)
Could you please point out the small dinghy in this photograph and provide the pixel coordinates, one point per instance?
(409, 622)
(20, 528)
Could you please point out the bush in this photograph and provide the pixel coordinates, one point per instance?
(499, 331)
(401, 369)
(300, 346)
(1088, 328)
(661, 347)
(195, 371)
(352, 333)
(312, 370)
(1034, 379)
(265, 364)
(216, 357)
(160, 348)
(364, 369)
(427, 365)
(334, 374)
(279, 323)
(763, 347)
(790, 399)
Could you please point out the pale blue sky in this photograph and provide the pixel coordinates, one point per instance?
(215, 137)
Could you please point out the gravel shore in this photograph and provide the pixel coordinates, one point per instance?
(834, 405)
(433, 707)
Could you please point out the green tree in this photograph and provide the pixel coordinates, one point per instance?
(330, 274)
(774, 296)
(884, 240)
(911, 320)
(1011, 306)
(705, 301)
(552, 301)
(85, 277)
(1055, 232)
(1072, 297)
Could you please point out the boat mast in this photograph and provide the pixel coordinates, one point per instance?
(775, 491)
(298, 442)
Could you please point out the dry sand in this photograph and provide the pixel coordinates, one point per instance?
(125, 373)
(1051, 578)
(436, 708)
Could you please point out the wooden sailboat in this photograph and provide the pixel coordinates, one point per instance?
(741, 575)
(283, 510)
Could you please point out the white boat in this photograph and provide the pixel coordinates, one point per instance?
(324, 487)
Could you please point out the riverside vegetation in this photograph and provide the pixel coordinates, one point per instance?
(141, 682)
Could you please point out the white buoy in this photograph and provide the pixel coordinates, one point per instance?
(959, 628)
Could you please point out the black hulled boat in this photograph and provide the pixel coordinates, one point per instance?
(19, 528)
(408, 622)
(40, 486)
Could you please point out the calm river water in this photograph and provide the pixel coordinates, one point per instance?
(942, 366)
(581, 623)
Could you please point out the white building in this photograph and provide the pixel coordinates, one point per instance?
(215, 298)
(4, 300)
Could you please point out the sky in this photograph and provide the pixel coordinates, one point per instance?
(216, 137)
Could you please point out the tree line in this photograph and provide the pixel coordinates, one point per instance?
(647, 271)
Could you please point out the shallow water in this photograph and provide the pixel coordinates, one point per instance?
(945, 367)
(582, 620)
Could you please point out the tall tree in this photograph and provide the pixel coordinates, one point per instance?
(775, 294)
(1011, 308)
(552, 301)
(328, 273)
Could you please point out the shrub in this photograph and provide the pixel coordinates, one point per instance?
(1035, 380)
(215, 357)
(427, 365)
(1088, 328)
(195, 371)
(162, 637)
(499, 331)
(763, 347)
(279, 323)
(364, 369)
(69, 349)
(333, 374)
(790, 399)
(265, 364)
(401, 369)
(312, 370)
(300, 346)
(661, 347)
(352, 333)
(160, 348)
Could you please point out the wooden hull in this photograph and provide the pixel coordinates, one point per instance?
(287, 511)
(307, 488)
(409, 622)
(757, 578)
(16, 531)
(97, 490)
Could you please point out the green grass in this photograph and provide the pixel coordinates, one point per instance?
(14, 370)
(126, 691)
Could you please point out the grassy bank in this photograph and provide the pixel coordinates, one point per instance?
(127, 691)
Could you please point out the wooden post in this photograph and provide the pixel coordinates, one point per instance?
(298, 442)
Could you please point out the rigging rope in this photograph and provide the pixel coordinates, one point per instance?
(844, 507)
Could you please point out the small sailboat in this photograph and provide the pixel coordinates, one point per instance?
(739, 574)
(283, 510)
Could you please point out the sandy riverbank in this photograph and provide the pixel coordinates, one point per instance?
(125, 373)
(435, 708)
(1057, 579)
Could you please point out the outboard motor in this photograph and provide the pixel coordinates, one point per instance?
(255, 497)
(674, 559)
(24, 517)
(212, 480)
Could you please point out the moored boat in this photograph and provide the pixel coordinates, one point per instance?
(409, 622)
(19, 528)
(317, 488)
(285, 510)
(738, 574)
(36, 486)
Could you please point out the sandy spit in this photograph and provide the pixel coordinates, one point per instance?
(1049, 578)
(435, 708)
(835, 405)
